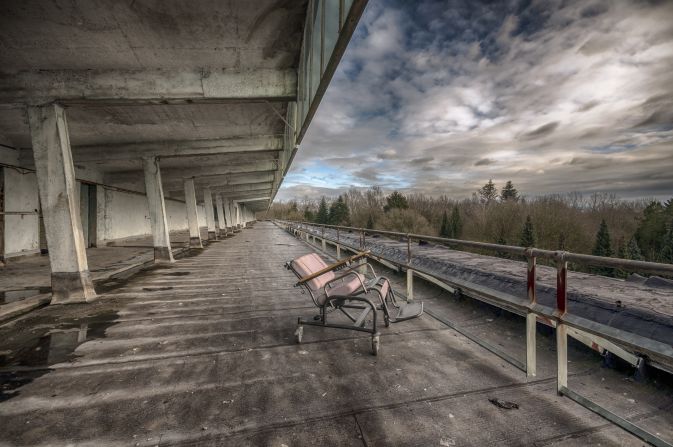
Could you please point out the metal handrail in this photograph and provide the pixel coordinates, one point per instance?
(551, 255)
(564, 322)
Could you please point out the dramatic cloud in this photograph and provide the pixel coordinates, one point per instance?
(438, 97)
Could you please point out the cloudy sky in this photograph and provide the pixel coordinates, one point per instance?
(438, 97)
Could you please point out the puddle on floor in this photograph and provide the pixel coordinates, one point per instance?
(52, 345)
(10, 296)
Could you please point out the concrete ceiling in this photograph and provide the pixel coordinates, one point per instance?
(203, 85)
(211, 87)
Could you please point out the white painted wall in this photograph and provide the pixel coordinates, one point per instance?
(122, 215)
(176, 214)
(22, 233)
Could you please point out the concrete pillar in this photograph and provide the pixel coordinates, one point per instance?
(157, 207)
(228, 215)
(192, 214)
(221, 220)
(210, 216)
(237, 218)
(70, 277)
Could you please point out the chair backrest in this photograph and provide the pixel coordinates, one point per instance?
(307, 265)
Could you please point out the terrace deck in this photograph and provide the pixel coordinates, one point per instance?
(202, 353)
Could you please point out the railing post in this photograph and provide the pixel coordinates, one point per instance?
(561, 285)
(410, 284)
(324, 246)
(531, 319)
(561, 329)
(561, 357)
(408, 249)
(338, 245)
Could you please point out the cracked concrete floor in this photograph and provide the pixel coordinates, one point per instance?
(202, 353)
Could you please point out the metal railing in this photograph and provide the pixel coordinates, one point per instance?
(566, 324)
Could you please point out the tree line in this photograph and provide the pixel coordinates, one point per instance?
(599, 224)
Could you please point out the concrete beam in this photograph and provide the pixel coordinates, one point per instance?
(168, 149)
(198, 172)
(252, 199)
(70, 277)
(223, 180)
(146, 86)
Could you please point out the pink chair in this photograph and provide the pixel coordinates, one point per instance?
(340, 287)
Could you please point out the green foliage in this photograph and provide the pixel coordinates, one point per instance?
(370, 223)
(338, 212)
(633, 251)
(308, 214)
(602, 247)
(527, 234)
(667, 250)
(323, 213)
(488, 192)
(501, 241)
(652, 230)
(509, 192)
(396, 200)
(561, 241)
(444, 228)
(455, 224)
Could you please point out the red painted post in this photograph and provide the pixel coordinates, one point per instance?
(532, 260)
(561, 286)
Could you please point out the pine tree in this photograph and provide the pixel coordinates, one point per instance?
(501, 241)
(488, 192)
(455, 224)
(323, 214)
(562, 241)
(396, 200)
(444, 228)
(527, 234)
(602, 247)
(370, 223)
(633, 251)
(652, 231)
(667, 251)
(338, 212)
(308, 214)
(509, 192)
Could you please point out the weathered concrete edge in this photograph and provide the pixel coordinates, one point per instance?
(28, 304)
(12, 310)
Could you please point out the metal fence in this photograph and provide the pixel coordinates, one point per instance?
(565, 322)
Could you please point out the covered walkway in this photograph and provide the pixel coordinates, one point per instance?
(202, 351)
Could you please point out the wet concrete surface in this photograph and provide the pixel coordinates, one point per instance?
(212, 361)
(25, 274)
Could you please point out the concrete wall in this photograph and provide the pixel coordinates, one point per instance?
(22, 233)
(122, 215)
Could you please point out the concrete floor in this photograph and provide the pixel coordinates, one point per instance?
(202, 353)
(33, 272)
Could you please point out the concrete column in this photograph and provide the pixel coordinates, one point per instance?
(210, 216)
(237, 216)
(221, 220)
(70, 277)
(192, 214)
(157, 207)
(228, 215)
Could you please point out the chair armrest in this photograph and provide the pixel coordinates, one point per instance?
(353, 267)
(328, 283)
